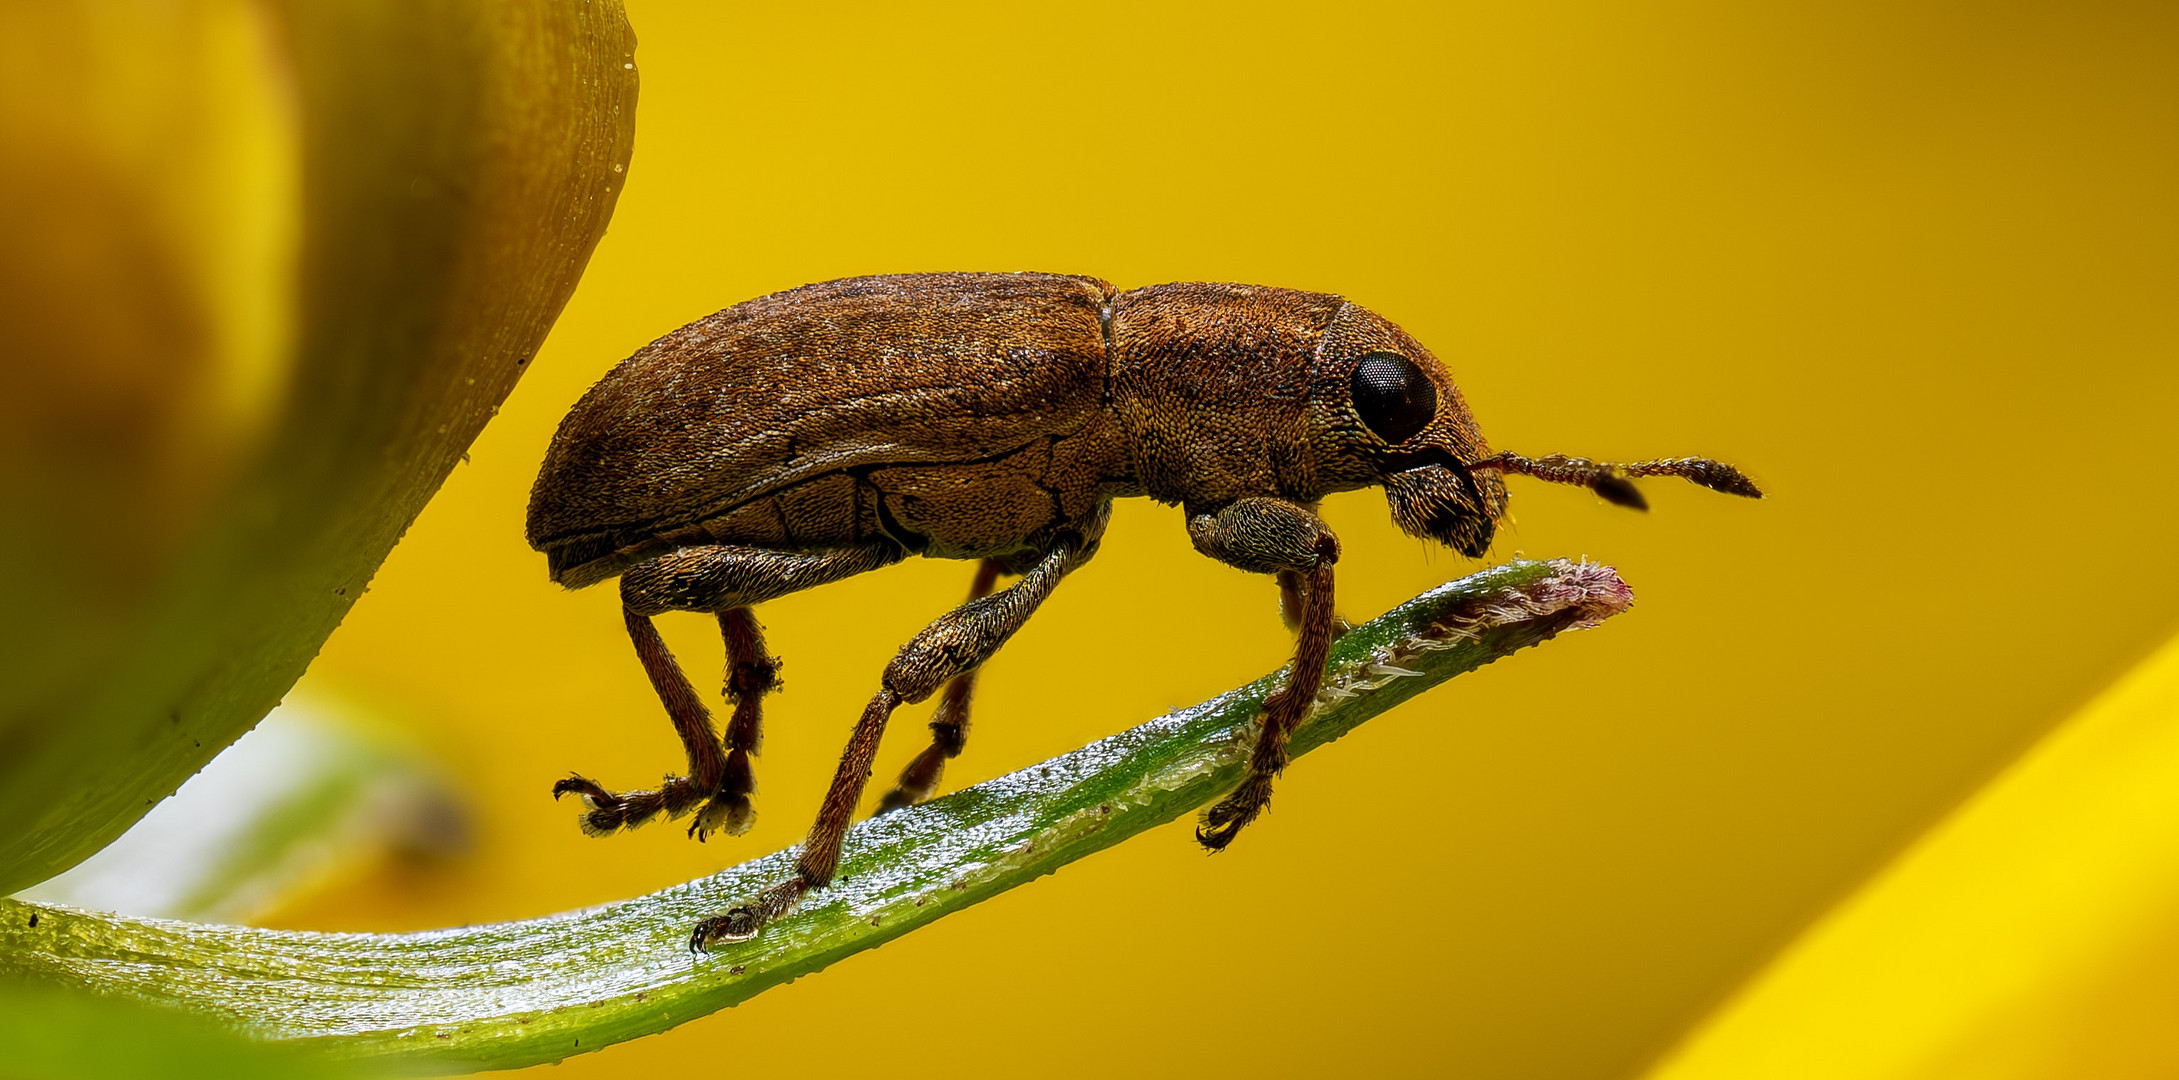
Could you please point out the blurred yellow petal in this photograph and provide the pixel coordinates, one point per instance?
(2034, 933)
(150, 186)
(270, 268)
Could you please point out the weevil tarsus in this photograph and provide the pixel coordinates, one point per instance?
(609, 811)
(751, 674)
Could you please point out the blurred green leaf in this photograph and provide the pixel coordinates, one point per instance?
(270, 268)
(49, 1033)
(520, 993)
(308, 793)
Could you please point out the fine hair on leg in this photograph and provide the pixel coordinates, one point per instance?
(751, 673)
(949, 722)
(608, 811)
(957, 642)
(719, 578)
(1283, 712)
(1283, 538)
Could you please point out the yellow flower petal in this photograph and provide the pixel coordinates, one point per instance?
(271, 267)
(2034, 933)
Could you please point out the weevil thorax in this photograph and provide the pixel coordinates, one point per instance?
(1211, 384)
(1230, 391)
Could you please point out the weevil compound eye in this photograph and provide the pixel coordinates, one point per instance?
(1393, 396)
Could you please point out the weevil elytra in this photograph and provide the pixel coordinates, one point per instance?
(811, 435)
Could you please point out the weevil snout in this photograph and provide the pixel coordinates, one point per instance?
(1448, 502)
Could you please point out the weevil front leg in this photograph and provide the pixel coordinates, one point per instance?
(1265, 535)
(949, 722)
(957, 643)
(725, 579)
(1291, 584)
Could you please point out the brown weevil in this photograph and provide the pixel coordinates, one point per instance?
(811, 435)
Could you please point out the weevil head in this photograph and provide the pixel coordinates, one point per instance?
(1394, 418)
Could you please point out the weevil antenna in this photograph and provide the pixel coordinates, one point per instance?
(1614, 481)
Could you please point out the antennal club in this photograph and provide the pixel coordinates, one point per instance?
(1613, 481)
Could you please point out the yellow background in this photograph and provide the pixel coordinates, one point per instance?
(1913, 266)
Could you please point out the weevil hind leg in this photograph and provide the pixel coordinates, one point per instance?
(751, 673)
(610, 811)
(957, 643)
(725, 579)
(949, 722)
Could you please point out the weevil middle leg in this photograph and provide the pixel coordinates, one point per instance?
(949, 722)
(957, 643)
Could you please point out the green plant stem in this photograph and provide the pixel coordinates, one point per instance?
(538, 990)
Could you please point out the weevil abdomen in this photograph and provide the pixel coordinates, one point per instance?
(964, 510)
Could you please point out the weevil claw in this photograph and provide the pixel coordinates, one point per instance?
(1227, 817)
(738, 924)
(732, 814)
(580, 785)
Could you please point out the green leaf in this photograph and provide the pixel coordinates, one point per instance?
(50, 1033)
(309, 792)
(519, 993)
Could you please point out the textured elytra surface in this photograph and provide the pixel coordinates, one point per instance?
(930, 406)
(965, 416)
